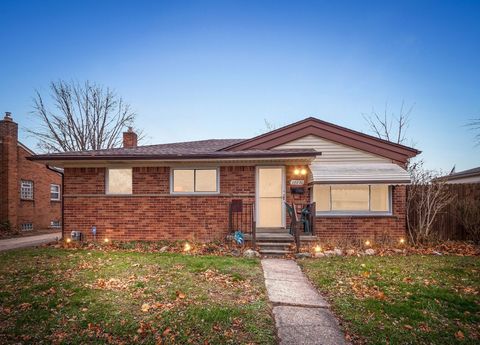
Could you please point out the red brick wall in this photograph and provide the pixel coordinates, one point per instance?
(84, 181)
(14, 167)
(151, 213)
(41, 210)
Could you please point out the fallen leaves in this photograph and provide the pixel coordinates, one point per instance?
(145, 307)
(459, 335)
(24, 306)
(153, 294)
(109, 284)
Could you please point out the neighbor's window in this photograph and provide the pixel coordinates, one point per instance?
(352, 198)
(55, 224)
(55, 192)
(26, 190)
(119, 181)
(194, 181)
(27, 226)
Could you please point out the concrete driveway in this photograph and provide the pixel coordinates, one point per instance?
(29, 241)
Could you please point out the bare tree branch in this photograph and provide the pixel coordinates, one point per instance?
(475, 126)
(427, 196)
(387, 126)
(82, 117)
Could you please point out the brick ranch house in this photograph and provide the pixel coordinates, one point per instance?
(185, 190)
(30, 193)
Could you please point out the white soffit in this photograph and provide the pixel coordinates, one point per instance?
(359, 173)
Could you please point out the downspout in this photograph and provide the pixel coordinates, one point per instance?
(61, 191)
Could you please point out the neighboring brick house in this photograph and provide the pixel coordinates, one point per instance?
(185, 190)
(30, 193)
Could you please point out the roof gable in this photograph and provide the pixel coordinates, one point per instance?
(328, 131)
(333, 152)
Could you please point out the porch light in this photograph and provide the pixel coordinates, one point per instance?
(303, 171)
(296, 171)
(367, 243)
(318, 249)
(187, 247)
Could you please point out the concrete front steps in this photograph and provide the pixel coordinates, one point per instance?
(277, 242)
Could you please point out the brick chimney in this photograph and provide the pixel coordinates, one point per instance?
(9, 186)
(129, 138)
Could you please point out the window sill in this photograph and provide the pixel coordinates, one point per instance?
(355, 215)
(55, 200)
(118, 194)
(27, 199)
(194, 193)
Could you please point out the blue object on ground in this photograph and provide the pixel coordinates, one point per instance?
(238, 237)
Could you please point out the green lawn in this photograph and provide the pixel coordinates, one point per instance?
(403, 299)
(77, 296)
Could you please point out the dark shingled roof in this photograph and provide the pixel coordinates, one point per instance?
(211, 148)
(464, 173)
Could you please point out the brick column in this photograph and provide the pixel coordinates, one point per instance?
(9, 184)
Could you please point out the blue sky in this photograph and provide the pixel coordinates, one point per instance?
(197, 70)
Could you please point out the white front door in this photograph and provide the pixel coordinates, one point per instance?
(270, 197)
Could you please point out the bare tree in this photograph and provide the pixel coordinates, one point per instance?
(427, 196)
(389, 126)
(475, 126)
(82, 117)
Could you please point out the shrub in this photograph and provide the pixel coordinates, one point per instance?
(469, 216)
(5, 226)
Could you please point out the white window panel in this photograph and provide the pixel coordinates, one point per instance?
(183, 181)
(321, 195)
(119, 181)
(379, 198)
(352, 198)
(349, 197)
(194, 181)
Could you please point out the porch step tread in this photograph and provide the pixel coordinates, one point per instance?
(274, 243)
(275, 251)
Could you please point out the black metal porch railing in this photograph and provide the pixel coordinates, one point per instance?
(241, 217)
(302, 221)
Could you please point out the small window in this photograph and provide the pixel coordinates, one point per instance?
(55, 192)
(352, 199)
(119, 181)
(27, 226)
(55, 224)
(26, 190)
(191, 181)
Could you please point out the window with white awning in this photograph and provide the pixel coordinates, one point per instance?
(387, 173)
(355, 189)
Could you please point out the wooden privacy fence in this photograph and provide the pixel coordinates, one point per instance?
(447, 225)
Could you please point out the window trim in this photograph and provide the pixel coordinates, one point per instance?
(59, 192)
(107, 177)
(356, 213)
(33, 190)
(217, 169)
(55, 226)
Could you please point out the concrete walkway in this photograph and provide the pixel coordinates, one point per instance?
(28, 241)
(301, 314)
